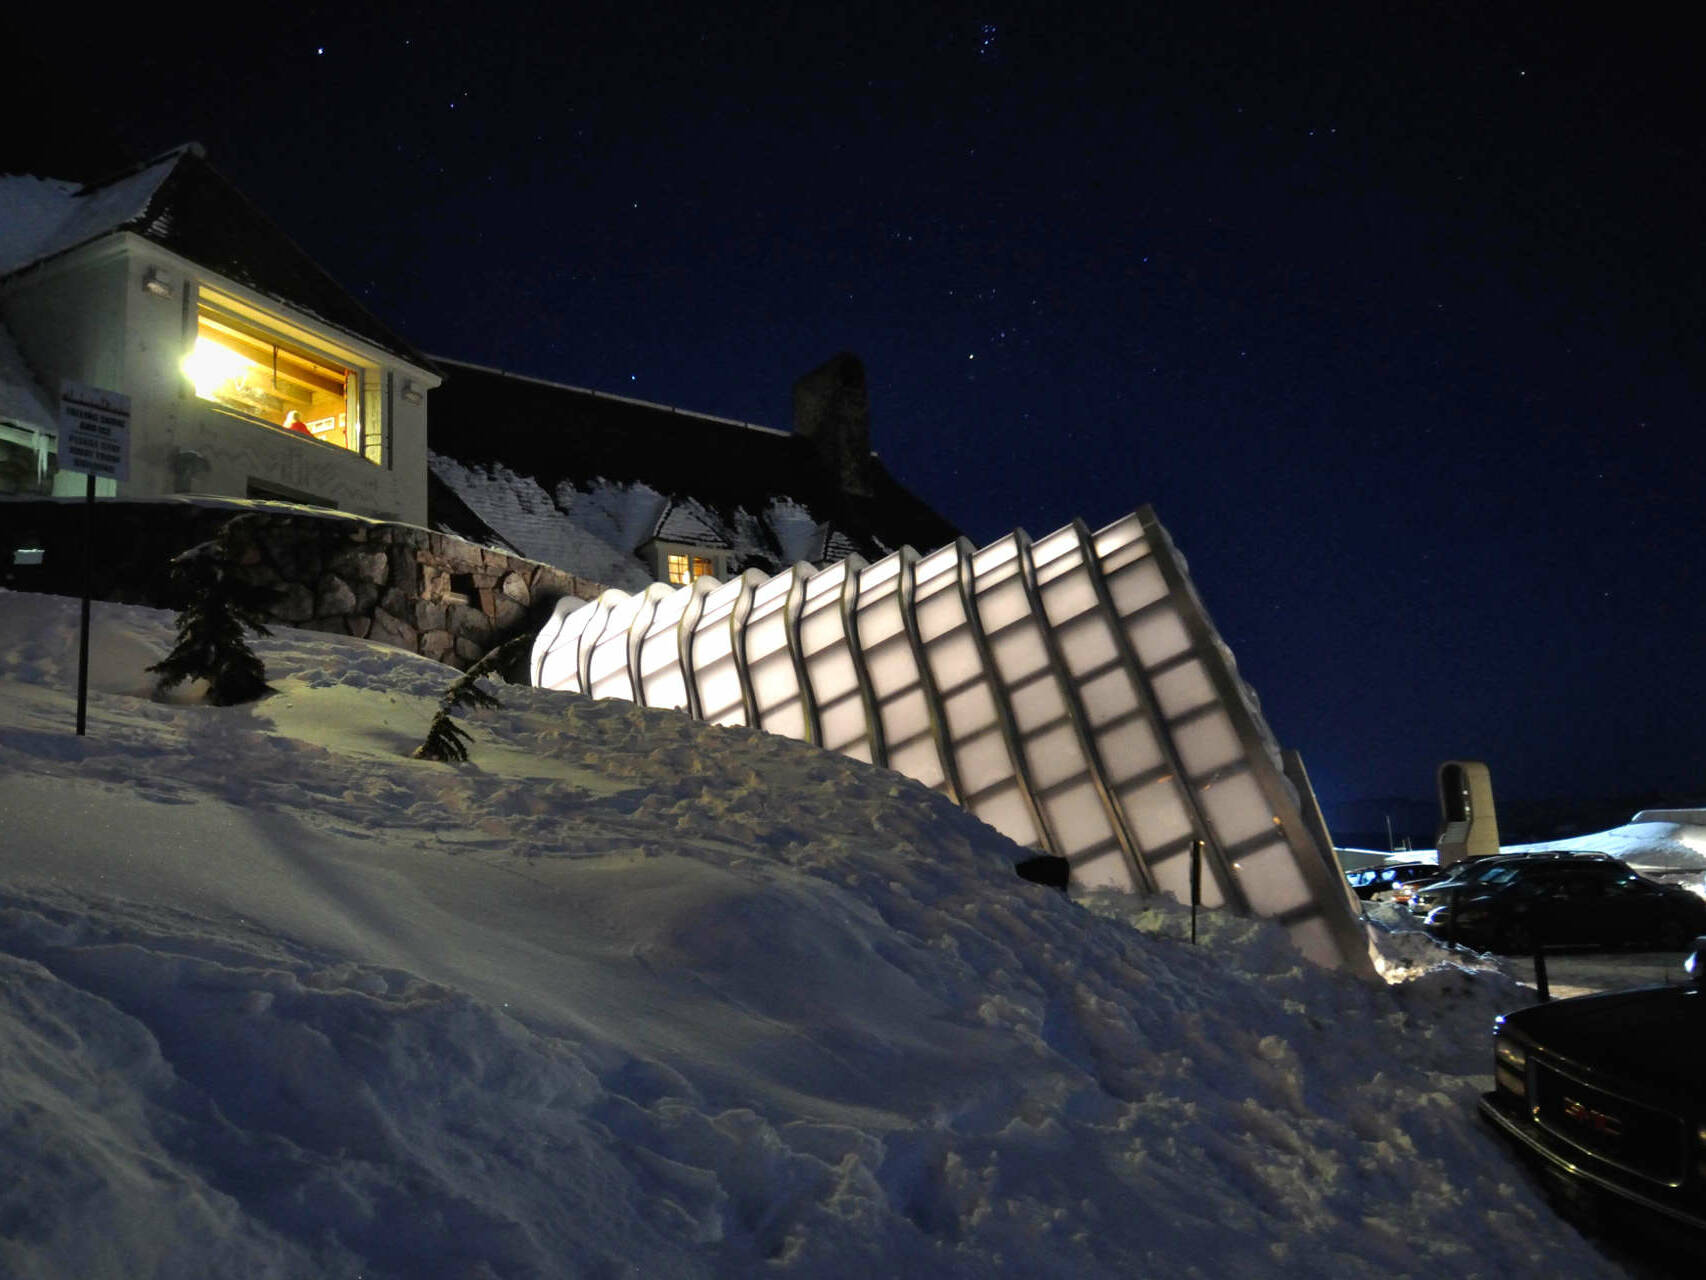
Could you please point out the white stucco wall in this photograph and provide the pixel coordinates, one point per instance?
(87, 316)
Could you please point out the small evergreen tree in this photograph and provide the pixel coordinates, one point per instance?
(217, 608)
(447, 741)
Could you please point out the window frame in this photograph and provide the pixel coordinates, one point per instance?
(367, 406)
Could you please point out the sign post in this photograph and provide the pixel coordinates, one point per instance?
(94, 438)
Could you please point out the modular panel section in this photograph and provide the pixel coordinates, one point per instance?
(1070, 692)
(906, 707)
(772, 663)
(719, 670)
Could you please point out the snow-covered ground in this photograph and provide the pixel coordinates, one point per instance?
(630, 995)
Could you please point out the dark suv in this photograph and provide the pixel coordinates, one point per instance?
(1606, 1093)
(1570, 903)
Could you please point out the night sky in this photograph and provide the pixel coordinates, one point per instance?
(1392, 311)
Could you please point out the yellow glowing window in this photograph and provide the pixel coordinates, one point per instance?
(682, 569)
(241, 367)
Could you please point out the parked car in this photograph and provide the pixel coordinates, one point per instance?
(1607, 1095)
(1369, 881)
(1490, 870)
(1574, 903)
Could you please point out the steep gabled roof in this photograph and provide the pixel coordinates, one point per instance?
(559, 434)
(184, 204)
(681, 521)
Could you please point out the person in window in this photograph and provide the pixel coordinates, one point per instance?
(293, 422)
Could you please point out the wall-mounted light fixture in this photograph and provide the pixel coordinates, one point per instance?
(157, 282)
(411, 393)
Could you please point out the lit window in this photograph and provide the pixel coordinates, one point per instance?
(682, 569)
(239, 366)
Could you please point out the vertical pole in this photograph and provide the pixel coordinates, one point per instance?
(1196, 885)
(1540, 982)
(83, 632)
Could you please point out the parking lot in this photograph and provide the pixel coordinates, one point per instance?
(1579, 973)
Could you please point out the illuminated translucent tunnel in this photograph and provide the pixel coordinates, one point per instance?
(1070, 691)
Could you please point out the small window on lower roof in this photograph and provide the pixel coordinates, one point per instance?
(239, 366)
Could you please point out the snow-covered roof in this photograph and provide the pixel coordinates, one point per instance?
(182, 203)
(687, 522)
(43, 217)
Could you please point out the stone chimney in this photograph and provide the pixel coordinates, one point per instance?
(832, 410)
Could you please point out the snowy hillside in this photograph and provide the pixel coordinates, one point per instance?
(629, 995)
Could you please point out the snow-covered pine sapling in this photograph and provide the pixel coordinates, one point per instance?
(447, 741)
(218, 607)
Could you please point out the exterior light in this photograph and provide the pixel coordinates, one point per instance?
(157, 282)
(411, 393)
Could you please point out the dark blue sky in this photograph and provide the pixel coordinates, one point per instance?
(1391, 311)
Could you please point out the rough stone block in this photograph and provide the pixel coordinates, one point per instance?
(335, 597)
(437, 645)
(429, 616)
(515, 587)
(359, 626)
(389, 629)
(295, 603)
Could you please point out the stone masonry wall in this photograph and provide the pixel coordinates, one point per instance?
(412, 588)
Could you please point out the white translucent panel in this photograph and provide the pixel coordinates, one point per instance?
(1036, 703)
(955, 662)
(1070, 595)
(770, 661)
(1077, 820)
(1156, 813)
(558, 666)
(1173, 875)
(1002, 601)
(1182, 689)
(662, 681)
(714, 672)
(1108, 696)
(906, 715)
(1315, 940)
(1129, 749)
(1157, 635)
(1055, 554)
(1054, 755)
(1125, 534)
(1238, 810)
(607, 669)
(939, 612)
(846, 730)
(1103, 871)
(918, 758)
(1006, 812)
(1135, 587)
(969, 712)
(1207, 743)
(1018, 653)
(998, 554)
(983, 760)
(1270, 879)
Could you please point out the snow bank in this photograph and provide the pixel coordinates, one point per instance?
(630, 995)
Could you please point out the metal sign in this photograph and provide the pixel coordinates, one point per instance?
(94, 431)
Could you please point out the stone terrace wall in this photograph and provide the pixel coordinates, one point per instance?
(430, 593)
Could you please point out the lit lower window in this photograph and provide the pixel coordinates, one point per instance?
(240, 366)
(682, 569)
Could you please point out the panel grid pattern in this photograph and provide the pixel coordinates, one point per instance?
(1070, 691)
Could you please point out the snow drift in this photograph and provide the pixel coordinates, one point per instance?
(629, 995)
